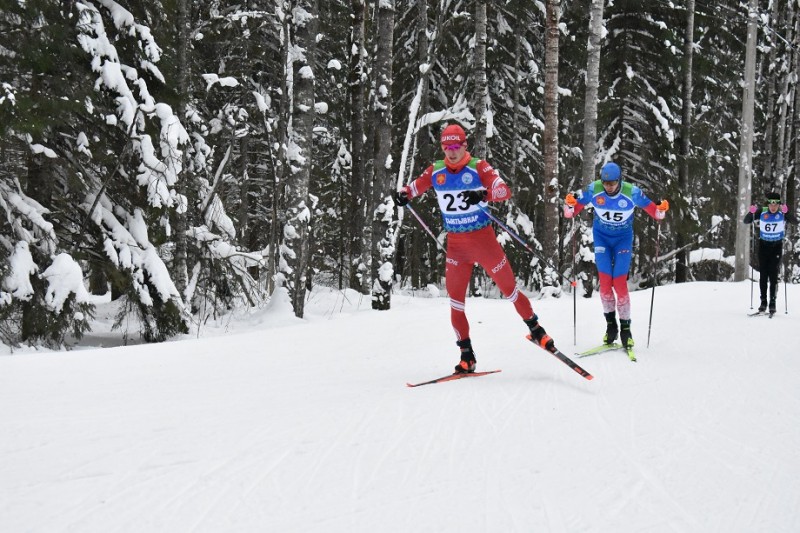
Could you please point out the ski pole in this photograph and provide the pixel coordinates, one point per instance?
(525, 245)
(655, 282)
(752, 244)
(785, 290)
(425, 227)
(574, 287)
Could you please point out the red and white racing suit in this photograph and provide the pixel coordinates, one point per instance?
(470, 237)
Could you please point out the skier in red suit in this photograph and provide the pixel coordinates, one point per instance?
(463, 184)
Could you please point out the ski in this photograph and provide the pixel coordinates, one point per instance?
(599, 349)
(607, 348)
(631, 355)
(564, 359)
(453, 377)
(757, 313)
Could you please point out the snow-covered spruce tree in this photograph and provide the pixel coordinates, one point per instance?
(235, 119)
(710, 187)
(107, 181)
(330, 187)
(639, 108)
(41, 100)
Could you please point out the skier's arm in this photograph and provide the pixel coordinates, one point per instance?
(572, 206)
(415, 188)
(751, 214)
(496, 188)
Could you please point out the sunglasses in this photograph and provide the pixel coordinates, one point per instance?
(452, 147)
(773, 201)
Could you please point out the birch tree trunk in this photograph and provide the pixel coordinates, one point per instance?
(358, 201)
(592, 83)
(481, 102)
(383, 210)
(298, 226)
(550, 190)
(742, 249)
(680, 201)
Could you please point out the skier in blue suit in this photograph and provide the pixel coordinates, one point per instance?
(614, 202)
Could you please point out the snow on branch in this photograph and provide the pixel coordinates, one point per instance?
(237, 260)
(17, 284)
(160, 163)
(128, 246)
(22, 211)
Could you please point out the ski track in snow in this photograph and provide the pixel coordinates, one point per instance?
(299, 428)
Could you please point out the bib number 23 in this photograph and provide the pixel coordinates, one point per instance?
(455, 202)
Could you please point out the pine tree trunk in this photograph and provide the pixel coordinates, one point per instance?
(359, 275)
(382, 237)
(782, 147)
(769, 118)
(742, 250)
(481, 103)
(180, 267)
(550, 190)
(301, 137)
(592, 83)
(680, 202)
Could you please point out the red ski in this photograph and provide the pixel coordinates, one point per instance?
(564, 359)
(452, 377)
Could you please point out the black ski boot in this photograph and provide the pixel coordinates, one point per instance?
(611, 328)
(467, 363)
(625, 333)
(772, 306)
(763, 306)
(539, 335)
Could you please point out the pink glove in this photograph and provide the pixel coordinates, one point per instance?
(660, 214)
(753, 209)
(569, 212)
(784, 208)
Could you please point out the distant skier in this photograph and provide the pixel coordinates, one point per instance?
(614, 202)
(772, 229)
(463, 184)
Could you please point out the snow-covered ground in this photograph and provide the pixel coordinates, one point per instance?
(278, 424)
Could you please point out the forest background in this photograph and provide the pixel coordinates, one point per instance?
(186, 159)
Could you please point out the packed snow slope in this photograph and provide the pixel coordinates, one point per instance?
(280, 424)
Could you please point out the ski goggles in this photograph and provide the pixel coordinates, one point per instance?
(773, 201)
(452, 147)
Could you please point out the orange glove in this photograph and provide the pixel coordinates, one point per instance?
(661, 209)
(570, 200)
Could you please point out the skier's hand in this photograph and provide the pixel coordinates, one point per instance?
(661, 209)
(474, 197)
(570, 200)
(569, 211)
(400, 197)
(753, 209)
(784, 208)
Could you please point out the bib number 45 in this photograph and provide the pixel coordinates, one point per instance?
(613, 216)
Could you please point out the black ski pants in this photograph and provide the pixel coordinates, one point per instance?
(769, 261)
